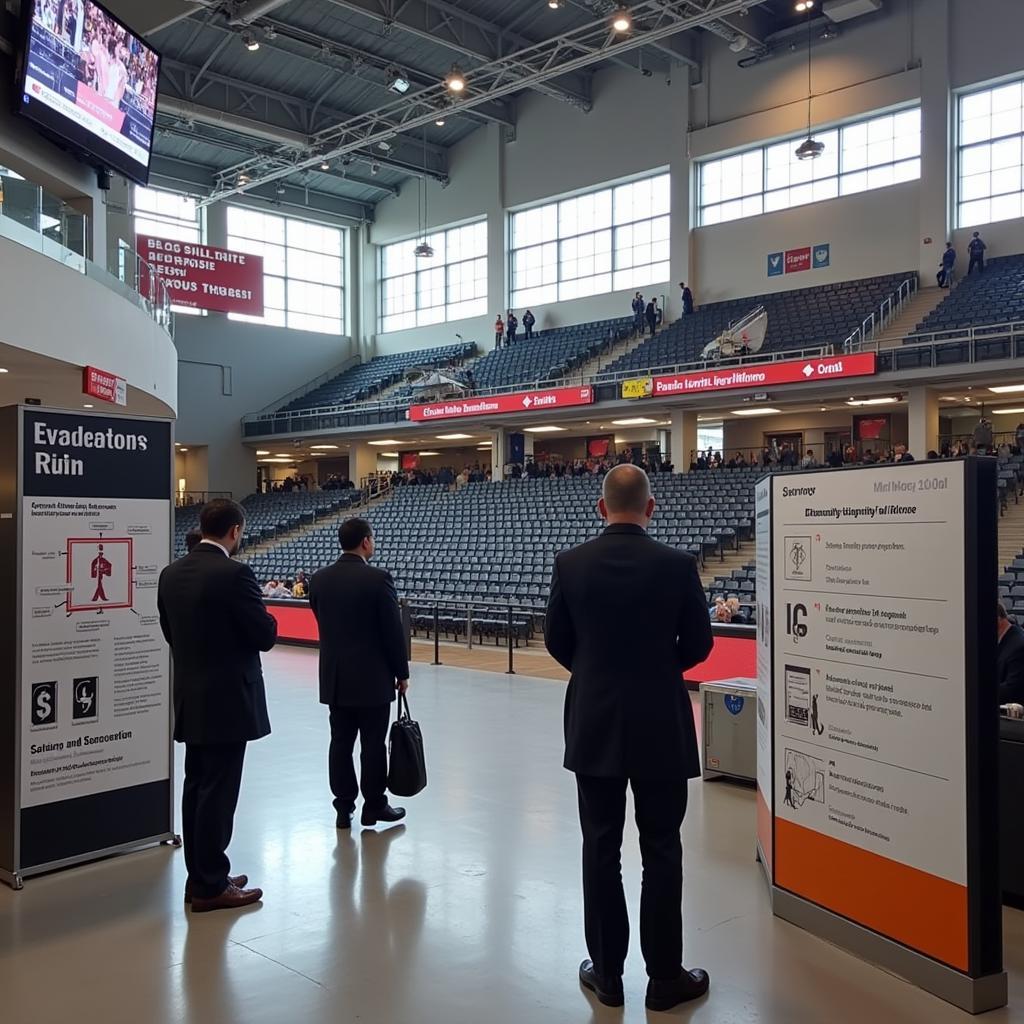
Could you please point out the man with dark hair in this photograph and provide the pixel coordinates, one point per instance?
(363, 663)
(629, 722)
(1009, 658)
(213, 616)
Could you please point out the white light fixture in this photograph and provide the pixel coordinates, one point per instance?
(889, 400)
(87, 406)
(1007, 389)
(755, 412)
(1005, 412)
(634, 421)
(262, 453)
(3, 369)
(398, 81)
(251, 43)
(428, 453)
(486, 444)
(556, 5)
(439, 122)
(621, 20)
(180, 449)
(545, 430)
(386, 444)
(455, 80)
(454, 437)
(803, 5)
(323, 447)
(389, 455)
(423, 251)
(325, 165)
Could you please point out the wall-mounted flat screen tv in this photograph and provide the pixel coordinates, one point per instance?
(88, 81)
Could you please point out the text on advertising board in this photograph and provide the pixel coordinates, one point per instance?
(798, 259)
(795, 371)
(107, 387)
(521, 401)
(203, 276)
(638, 388)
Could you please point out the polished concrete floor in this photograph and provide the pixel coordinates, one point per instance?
(470, 914)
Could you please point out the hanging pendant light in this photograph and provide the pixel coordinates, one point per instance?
(424, 250)
(810, 148)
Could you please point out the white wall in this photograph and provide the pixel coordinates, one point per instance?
(55, 311)
(265, 363)
(871, 233)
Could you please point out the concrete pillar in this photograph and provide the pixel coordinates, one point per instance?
(922, 422)
(362, 461)
(677, 114)
(499, 453)
(937, 154)
(684, 438)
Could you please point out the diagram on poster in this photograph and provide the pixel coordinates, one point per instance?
(100, 573)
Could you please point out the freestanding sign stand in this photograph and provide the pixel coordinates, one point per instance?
(878, 734)
(85, 709)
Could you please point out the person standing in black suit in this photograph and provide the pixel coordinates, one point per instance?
(214, 619)
(629, 721)
(363, 664)
(1009, 658)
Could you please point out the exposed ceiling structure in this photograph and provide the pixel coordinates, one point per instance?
(298, 101)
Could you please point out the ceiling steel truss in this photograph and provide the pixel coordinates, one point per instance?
(653, 21)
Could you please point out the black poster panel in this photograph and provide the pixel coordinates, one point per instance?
(78, 455)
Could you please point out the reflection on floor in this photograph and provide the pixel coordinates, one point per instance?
(469, 915)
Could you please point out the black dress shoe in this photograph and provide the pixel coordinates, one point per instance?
(238, 881)
(663, 995)
(344, 821)
(386, 814)
(607, 990)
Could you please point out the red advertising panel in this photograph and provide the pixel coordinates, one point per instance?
(107, 387)
(490, 405)
(761, 375)
(203, 276)
(798, 259)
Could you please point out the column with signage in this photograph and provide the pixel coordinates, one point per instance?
(880, 740)
(85, 703)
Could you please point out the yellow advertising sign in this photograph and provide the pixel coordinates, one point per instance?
(641, 387)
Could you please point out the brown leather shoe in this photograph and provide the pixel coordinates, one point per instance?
(238, 881)
(230, 899)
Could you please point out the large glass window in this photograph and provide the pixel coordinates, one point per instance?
(869, 154)
(450, 285)
(164, 214)
(303, 269)
(610, 240)
(991, 155)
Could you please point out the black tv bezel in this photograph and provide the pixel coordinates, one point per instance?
(79, 141)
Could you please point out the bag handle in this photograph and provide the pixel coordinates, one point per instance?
(402, 708)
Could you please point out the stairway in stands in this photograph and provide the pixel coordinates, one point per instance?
(605, 359)
(920, 304)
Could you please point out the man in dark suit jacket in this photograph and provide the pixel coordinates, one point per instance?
(363, 663)
(628, 720)
(213, 616)
(1009, 659)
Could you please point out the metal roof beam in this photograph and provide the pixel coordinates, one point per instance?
(653, 21)
(466, 34)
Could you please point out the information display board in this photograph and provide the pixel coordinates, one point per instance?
(89, 529)
(763, 538)
(882, 701)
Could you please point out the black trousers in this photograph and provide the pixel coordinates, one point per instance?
(650, 326)
(213, 777)
(977, 261)
(371, 725)
(660, 807)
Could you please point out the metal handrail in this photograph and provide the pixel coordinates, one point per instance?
(889, 309)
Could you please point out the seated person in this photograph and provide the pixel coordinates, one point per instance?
(300, 587)
(724, 610)
(1009, 658)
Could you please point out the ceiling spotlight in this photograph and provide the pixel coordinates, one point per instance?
(621, 20)
(739, 44)
(439, 122)
(398, 81)
(280, 190)
(243, 178)
(810, 149)
(556, 4)
(325, 165)
(455, 80)
(251, 43)
(384, 147)
(803, 5)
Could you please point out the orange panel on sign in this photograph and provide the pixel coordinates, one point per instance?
(922, 911)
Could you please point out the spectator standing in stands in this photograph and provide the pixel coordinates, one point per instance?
(945, 274)
(511, 325)
(659, 313)
(499, 332)
(982, 436)
(528, 321)
(976, 250)
(687, 299)
(651, 314)
(214, 619)
(363, 664)
(638, 313)
(900, 454)
(629, 722)
(835, 458)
